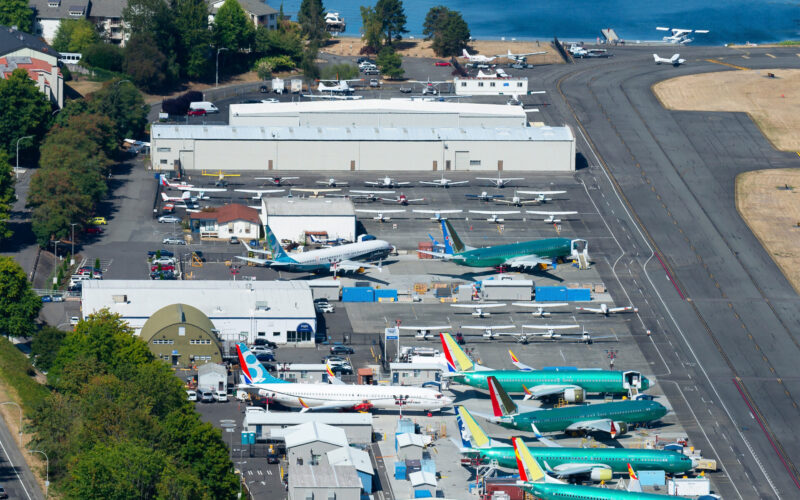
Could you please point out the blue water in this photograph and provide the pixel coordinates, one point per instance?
(730, 21)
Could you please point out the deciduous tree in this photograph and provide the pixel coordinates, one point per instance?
(232, 27)
(311, 17)
(45, 346)
(390, 62)
(145, 64)
(23, 111)
(16, 13)
(19, 305)
(194, 38)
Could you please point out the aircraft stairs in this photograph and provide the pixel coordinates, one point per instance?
(583, 261)
(633, 391)
(488, 470)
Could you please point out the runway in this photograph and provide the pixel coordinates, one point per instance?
(721, 313)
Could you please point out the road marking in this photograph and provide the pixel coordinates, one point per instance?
(745, 56)
(717, 61)
(16, 471)
(770, 55)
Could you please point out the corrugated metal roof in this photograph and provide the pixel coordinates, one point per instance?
(419, 134)
(324, 476)
(493, 283)
(408, 439)
(308, 206)
(376, 106)
(422, 478)
(351, 456)
(294, 418)
(315, 431)
(216, 299)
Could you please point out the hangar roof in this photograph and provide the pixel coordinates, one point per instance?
(308, 206)
(377, 106)
(310, 432)
(256, 133)
(175, 314)
(324, 476)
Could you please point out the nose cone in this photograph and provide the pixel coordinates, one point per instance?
(646, 383)
(447, 401)
(659, 409)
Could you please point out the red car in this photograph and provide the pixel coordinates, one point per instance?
(94, 230)
(197, 112)
(442, 63)
(163, 268)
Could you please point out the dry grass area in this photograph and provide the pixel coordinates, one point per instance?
(772, 102)
(773, 214)
(84, 87)
(351, 46)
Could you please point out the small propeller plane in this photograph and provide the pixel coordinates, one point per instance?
(477, 58)
(500, 182)
(489, 331)
(494, 213)
(679, 35)
(430, 87)
(402, 199)
(332, 183)
(219, 174)
(484, 196)
(542, 196)
(367, 195)
(675, 60)
(426, 332)
(437, 214)
(606, 311)
(258, 193)
(518, 201)
(444, 183)
(520, 58)
(276, 181)
(315, 191)
(379, 214)
(337, 86)
(201, 192)
(386, 182)
(550, 217)
(551, 332)
(541, 307)
(182, 198)
(173, 185)
(478, 309)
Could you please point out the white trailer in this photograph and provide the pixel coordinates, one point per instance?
(278, 85)
(296, 86)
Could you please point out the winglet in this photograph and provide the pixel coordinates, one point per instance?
(529, 470)
(502, 405)
(516, 362)
(633, 485)
(528, 393)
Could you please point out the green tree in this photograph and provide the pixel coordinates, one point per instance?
(7, 196)
(16, 13)
(23, 111)
(191, 24)
(308, 63)
(390, 62)
(124, 105)
(447, 29)
(393, 19)
(311, 17)
(104, 56)
(232, 28)
(19, 305)
(155, 19)
(45, 346)
(75, 35)
(280, 42)
(371, 29)
(340, 71)
(145, 64)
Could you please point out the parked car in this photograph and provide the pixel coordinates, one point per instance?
(97, 274)
(191, 395)
(323, 307)
(169, 218)
(265, 356)
(261, 348)
(263, 89)
(164, 253)
(372, 71)
(374, 83)
(162, 275)
(173, 241)
(234, 240)
(74, 320)
(3, 493)
(363, 59)
(85, 271)
(167, 267)
(94, 230)
(442, 63)
(98, 221)
(342, 369)
(342, 349)
(221, 396)
(273, 459)
(164, 261)
(197, 112)
(205, 396)
(265, 342)
(405, 90)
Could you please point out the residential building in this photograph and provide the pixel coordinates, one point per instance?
(20, 50)
(259, 13)
(226, 222)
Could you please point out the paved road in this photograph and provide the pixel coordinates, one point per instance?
(15, 476)
(721, 313)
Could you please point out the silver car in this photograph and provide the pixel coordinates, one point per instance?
(169, 218)
(173, 241)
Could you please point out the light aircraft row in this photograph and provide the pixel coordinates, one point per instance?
(481, 59)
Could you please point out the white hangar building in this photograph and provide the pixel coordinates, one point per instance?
(294, 218)
(366, 135)
(279, 311)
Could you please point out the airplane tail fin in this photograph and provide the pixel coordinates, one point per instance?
(163, 180)
(502, 405)
(633, 484)
(655, 57)
(252, 369)
(529, 470)
(471, 430)
(519, 364)
(466, 54)
(164, 197)
(456, 359)
(451, 238)
(274, 245)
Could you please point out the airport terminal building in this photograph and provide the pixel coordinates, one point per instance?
(366, 135)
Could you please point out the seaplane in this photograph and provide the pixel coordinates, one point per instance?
(201, 192)
(493, 214)
(518, 201)
(366, 195)
(542, 196)
(479, 310)
(606, 311)
(258, 193)
(489, 331)
(484, 196)
(386, 182)
(276, 181)
(520, 58)
(675, 60)
(332, 183)
(541, 309)
(444, 183)
(551, 217)
(379, 214)
(426, 332)
(402, 199)
(500, 182)
(315, 192)
(437, 215)
(172, 185)
(477, 58)
(679, 35)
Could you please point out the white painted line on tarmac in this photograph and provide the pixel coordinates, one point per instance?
(16, 472)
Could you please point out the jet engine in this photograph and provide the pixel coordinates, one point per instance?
(601, 474)
(574, 395)
(621, 427)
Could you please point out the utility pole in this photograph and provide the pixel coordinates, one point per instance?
(72, 254)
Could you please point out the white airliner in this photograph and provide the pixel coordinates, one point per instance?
(445, 183)
(386, 182)
(477, 58)
(494, 213)
(336, 396)
(378, 214)
(338, 258)
(605, 310)
(437, 214)
(258, 193)
(499, 181)
(675, 60)
(425, 332)
(550, 217)
(679, 35)
(541, 308)
(478, 309)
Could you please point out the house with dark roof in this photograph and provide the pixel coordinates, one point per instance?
(105, 14)
(226, 222)
(20, 50)
(258, 11)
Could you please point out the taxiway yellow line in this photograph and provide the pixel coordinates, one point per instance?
(715, 61)
(770, 55)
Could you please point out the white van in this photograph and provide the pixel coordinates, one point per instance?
(221, 396)
(206, 106)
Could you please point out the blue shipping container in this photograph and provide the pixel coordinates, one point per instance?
(428, 465)
(551, 293)
(400, 470)
(387, 294)
(422, 494)
(579, 294)
(358, 294)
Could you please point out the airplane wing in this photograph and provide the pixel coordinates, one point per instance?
(541, 192)
(600, 425)
(623, 309)
(526, 261)
(201, 190)
(441, 255)
(361, 191)
(552, 327)
(590, 309)
(364, 210)
(402, 183)
(494, 212)
(454, 183)
(351, 266)
(543, 390)
(491, 196)
(527, 202)
(313, 190)
(431, 183)
(258, 191)
(510, 202)
(543, 212)
(255, 260)
(576, 469)
(326, 183)
(543, 305)
(420, 211)
(492, 328)
(478, 306)
(371, 183)
(428, 328)
(410, 200)
(520, 365)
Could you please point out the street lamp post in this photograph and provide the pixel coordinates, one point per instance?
(72, 254)
(16, 169)
(20, 413)
(55, 261)
(47, 473)
(216, 78)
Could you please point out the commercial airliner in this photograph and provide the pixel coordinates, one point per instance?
(599, 464)
(570, 383)
(337, 395)
(338, 258)
(526, 254)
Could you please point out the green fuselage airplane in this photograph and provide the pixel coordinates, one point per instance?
(526, 254)
(547, 491)
(594, 381)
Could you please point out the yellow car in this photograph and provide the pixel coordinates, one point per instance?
(98, 221)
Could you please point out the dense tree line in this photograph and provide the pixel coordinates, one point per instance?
(117, 423)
